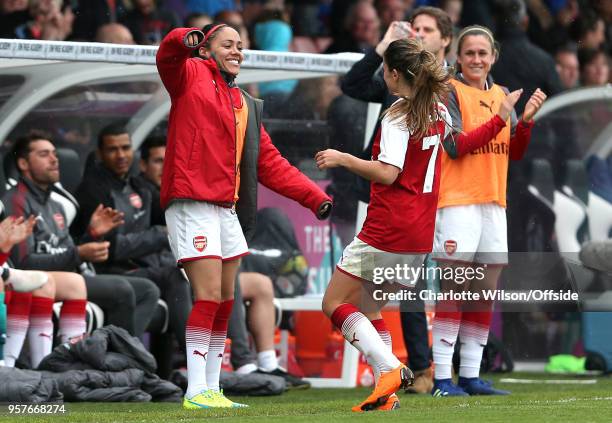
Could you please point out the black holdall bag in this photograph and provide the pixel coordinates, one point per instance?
(275, 253)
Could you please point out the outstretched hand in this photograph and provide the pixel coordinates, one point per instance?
(329, 158)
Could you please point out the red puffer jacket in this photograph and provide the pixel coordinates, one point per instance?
(200, 155)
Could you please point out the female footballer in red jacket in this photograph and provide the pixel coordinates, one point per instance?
(399, 226)
(217, 152)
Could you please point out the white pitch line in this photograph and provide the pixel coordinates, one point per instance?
(551, 381)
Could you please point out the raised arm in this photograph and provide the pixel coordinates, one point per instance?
(522, 132)
(173, 64)
(362, 81)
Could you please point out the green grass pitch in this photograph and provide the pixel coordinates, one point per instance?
(537, 402)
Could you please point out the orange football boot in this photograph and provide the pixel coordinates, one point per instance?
(388, 384)
(392, 403)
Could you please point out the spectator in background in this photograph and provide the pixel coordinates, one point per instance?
(453, 9)
(478, 13)
(435, 29)
(549, 22)
(273, 33)
(152, 153)
(589, 30)
(311, 98)
(197, 20)
(309, 101)
(309, 17)
(604, 9)
(389, 11)
(210, 7)
(114, 33)
(362, 30)
(567, 66)
(13, 13)
(92, 14)
(522, 64)
(409, 4)
(148, 23)
(337, 17)
(48, 21)
(594, 67)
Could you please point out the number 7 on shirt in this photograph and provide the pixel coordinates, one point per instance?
(428, 142)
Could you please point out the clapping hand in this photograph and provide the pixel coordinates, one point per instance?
(506, 106)
(104, 220)
(533, 105)
(14, 231)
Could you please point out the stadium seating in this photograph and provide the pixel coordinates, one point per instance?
(600, 217)
(70, 169)
(600, 198)
(570, 205)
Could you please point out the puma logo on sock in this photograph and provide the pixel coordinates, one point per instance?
(354, 338)
(45, 335)
(196, 352)
(444, 341)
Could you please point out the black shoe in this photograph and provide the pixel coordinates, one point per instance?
(293, 382)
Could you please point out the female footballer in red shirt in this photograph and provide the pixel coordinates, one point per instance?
(218, 151)
(399, 227)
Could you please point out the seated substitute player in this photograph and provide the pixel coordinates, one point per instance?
(30, 295)
(399, 227)
(12, 231)
(51, 248)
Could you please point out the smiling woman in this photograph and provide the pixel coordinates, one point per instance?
(223, 44)
(471, 217)
(218, 151)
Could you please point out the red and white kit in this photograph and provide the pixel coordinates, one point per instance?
(401, 216)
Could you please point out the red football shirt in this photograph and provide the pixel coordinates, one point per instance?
(401, 217)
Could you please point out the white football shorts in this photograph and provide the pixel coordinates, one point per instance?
(362, 261)
(474, 233)
(198, 230)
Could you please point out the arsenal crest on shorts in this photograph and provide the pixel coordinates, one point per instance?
(59, 220)
(199, 242)
(450, 247)
(135, 200)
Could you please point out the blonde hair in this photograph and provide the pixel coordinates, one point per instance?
(428, 80)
